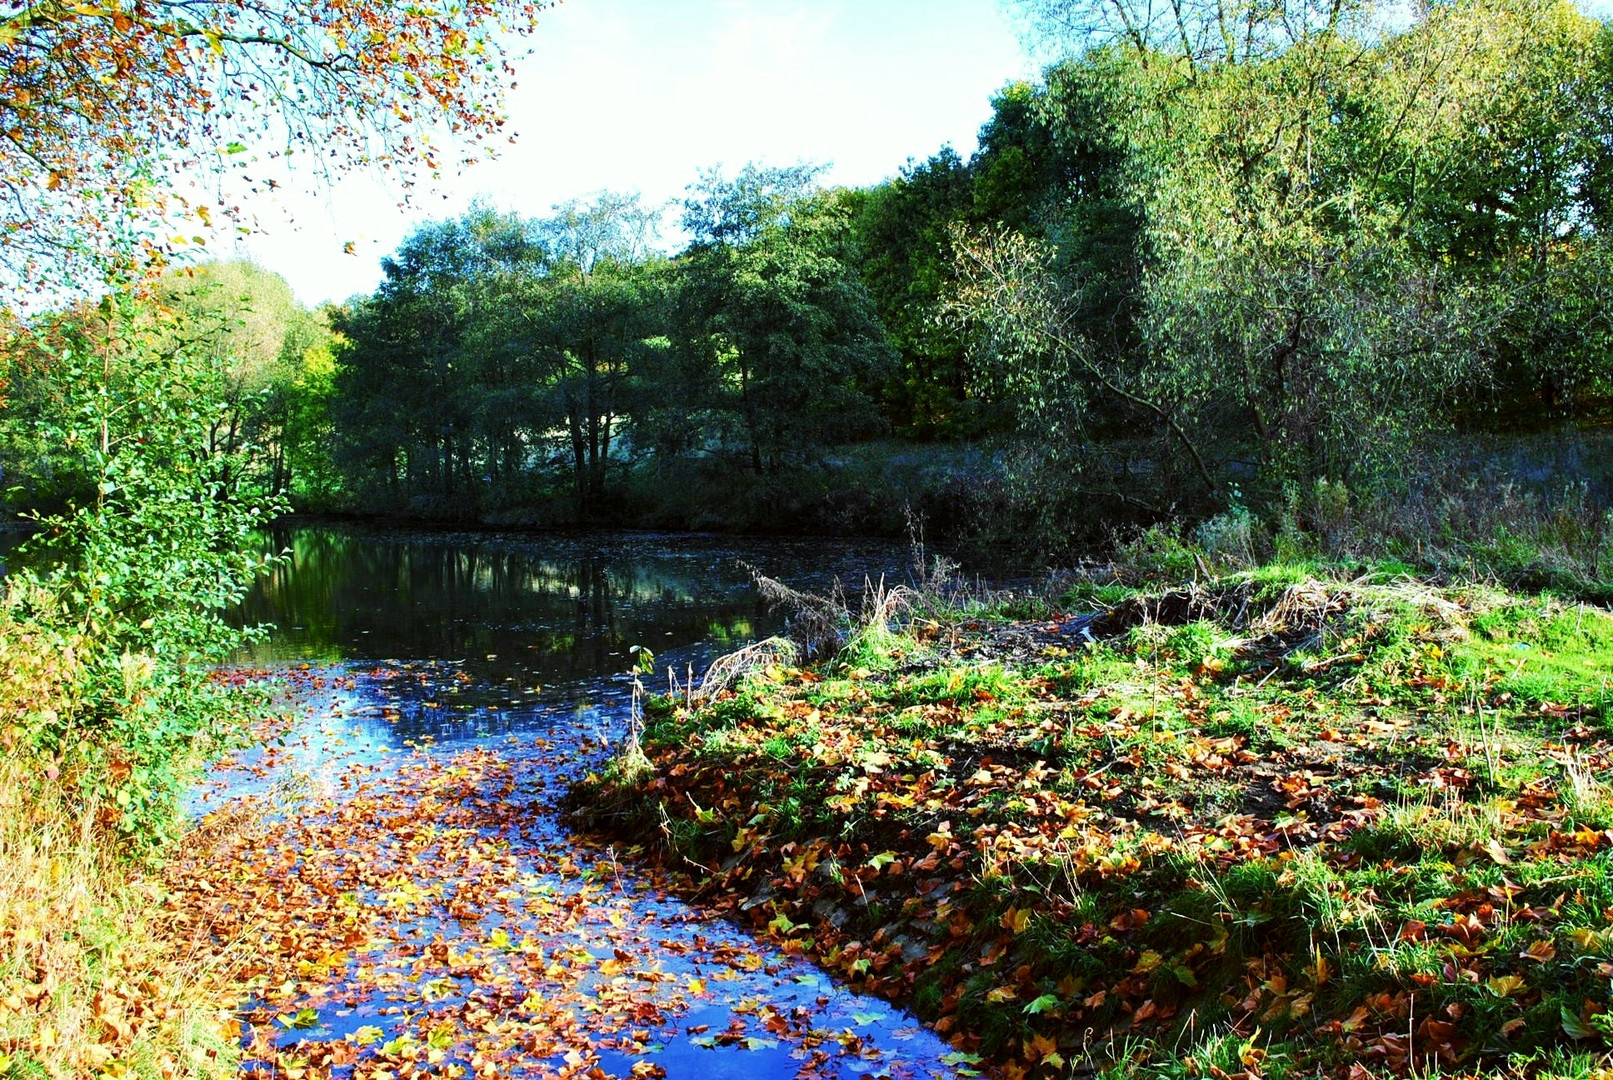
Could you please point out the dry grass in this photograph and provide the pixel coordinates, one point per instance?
(728, 670)
(94, 981)
(97, 977)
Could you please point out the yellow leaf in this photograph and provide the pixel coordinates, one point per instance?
(1540, 951)
(1503, 986)
(1147, 962)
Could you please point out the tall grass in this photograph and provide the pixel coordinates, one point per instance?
(98, 978)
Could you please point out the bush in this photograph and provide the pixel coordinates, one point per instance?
(125, 588)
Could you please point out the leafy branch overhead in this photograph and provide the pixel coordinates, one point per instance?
(103, 105)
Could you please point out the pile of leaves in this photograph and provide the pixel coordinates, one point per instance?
(1271, 825)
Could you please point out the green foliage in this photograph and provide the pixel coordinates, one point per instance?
(504, 357)
(271, 364)
(902, 234)
(275, 359)
(774, 327)
(567, 341)
(409, 388)
(1261, 281)
(133, 575)
(1298, 249)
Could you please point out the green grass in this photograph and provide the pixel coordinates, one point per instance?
(1542, 652)
(1268, 837)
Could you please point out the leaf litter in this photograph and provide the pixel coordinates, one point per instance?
(418, 910)
(1326, 829)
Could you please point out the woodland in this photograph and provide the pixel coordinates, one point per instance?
(1281, 265)
(1272, 340)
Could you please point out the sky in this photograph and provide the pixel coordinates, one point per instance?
(640, 95)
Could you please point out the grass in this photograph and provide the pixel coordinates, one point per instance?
(98, 978)
(1272, 822)
(95, 978)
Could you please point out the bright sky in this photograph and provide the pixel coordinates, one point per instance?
(639, 95)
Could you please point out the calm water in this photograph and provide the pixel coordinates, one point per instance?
(429, 645)
(560, 608)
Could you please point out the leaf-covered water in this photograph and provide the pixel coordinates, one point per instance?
(408, 902)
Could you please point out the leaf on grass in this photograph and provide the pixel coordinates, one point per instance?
(1504, 986)
(1045, 1003)
(1574, 1027)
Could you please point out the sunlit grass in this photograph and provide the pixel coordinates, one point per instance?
(95, 980)
(1257, 827)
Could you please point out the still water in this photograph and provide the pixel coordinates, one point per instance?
(555, 609)
(428, 647)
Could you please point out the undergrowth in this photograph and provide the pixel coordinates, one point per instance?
(95, 980)
(1287, 820)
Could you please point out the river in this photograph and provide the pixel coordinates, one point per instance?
(500, 661)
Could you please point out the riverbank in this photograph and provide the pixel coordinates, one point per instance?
(98, 978)
(1286, 821)
(1528, 508)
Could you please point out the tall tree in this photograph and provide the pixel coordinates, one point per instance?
(1326, 225)
(579, 324)
(902, 230)
(245, 321)
(774, 314)
(409, 387)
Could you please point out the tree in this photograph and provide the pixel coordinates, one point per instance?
(902, 232)
(578, 325)
(1297, 232)
(494, 338)
(1196, 34)
(410, 385)
(131, 576)
(245, 321)
(774, 316)
(103, 104)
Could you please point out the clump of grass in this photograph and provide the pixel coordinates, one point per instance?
(94, 980)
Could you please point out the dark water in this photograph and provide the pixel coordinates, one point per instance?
(430, 645)
(555, 608)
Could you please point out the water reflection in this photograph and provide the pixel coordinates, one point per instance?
(524, 610)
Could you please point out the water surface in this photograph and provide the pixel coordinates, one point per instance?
(433, 654)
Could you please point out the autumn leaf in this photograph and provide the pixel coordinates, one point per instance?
(1504, 986)
(1540, 951)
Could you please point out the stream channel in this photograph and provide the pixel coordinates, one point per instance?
(415, 657)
